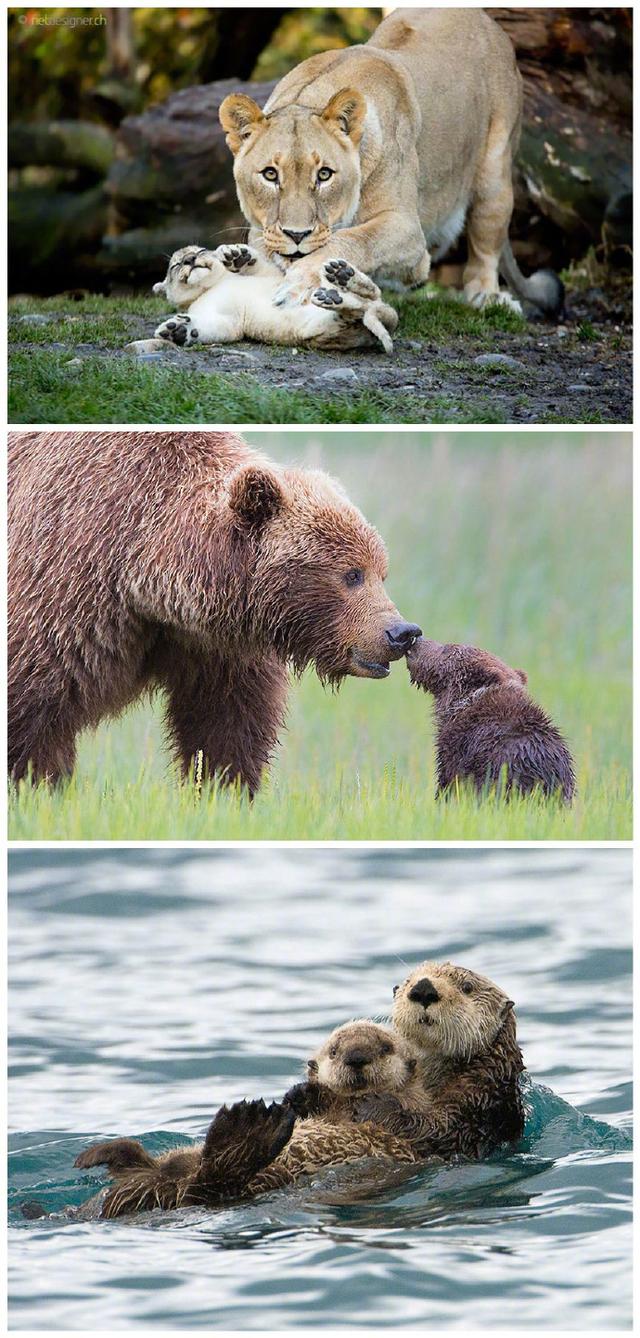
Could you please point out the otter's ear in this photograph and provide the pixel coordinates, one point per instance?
(522, 675)
(255, 496)
(412, 1065)
(312, 1069)
(239, 117)
(507, 1008)
(347, 111)
(395, 990)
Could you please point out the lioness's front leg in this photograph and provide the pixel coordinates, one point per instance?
(392, 242)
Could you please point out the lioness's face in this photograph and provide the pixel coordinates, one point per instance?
(297, 171)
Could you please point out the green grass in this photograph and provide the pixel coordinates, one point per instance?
(44, 388)
(520, 544)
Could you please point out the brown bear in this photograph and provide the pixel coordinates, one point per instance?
(489, 730)
(183, 561)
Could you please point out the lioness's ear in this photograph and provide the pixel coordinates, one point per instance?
(255, 496)
(522, 675)
(312, 1068)
(239, 115)
(347, 109)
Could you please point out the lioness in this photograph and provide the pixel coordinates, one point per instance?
(382, 153)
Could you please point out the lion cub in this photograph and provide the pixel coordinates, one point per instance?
(228, 294)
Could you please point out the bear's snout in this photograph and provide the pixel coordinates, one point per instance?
(401, 636)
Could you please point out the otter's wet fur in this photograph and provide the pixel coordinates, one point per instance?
(227, 1167)
(489, 730)
(463, 1029)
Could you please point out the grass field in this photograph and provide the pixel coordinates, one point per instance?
(518, 543)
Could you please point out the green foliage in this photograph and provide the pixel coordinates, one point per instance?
(306, 32)
(494, 540)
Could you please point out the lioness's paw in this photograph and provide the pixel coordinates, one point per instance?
(481, 299)
(178, 330)
(343, 275)
(236, 257)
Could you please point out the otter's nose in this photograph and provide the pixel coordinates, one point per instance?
(297, 237)
(401, 636)
(356, 1059)
(423, 992)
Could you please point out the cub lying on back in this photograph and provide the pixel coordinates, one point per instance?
(251, 1149)
(228, 294)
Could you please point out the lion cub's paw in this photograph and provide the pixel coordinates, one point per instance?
(343, 275)
(327, 297)
(237, 258)
(178, 330)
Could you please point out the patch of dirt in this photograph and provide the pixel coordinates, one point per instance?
(578, 372)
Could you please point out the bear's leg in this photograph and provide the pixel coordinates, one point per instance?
(225, 717)
(40, 747)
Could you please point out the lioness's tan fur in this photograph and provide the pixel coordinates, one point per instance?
(418, 128)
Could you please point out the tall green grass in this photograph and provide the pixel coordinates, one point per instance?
(517, 542)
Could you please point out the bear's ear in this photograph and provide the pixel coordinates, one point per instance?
(347, 111)
(312, 1068)
(255, 496)
(239, 117)
(522, 675)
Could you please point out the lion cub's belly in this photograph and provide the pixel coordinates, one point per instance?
(247, 302)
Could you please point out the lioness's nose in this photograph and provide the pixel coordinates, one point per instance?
(297, 237)
(423, 992)
(402, 635)
(356, 1059)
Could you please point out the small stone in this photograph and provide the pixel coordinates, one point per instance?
(498, 360)
(574, 389)
(339, 374)
(562, 332)
(36, 318)
(74, 362)
(145, 347)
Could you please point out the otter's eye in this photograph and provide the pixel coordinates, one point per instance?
(325, 174)
(466, 987)
(333, 1052)
(387, 1049)
(270, 173)
(354, 577)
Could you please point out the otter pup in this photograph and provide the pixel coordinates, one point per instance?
(488, 727)
(463, 1028)
(251, 1148)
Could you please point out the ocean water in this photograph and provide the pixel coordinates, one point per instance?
(149, 986)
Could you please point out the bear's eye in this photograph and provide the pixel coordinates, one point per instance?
(325, 174)
(270, 173)
(354, 577)
(466, 987)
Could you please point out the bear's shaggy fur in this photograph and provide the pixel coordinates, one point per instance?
(489, 729)
(187, 562)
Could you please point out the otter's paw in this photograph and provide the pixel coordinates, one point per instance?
(257, 1131)
(375, 1108)
(178, 330)
(341, 274)
(308, 1098)
(237, 258)
(118, 1154)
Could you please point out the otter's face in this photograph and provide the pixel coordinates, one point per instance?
(318, 591)
(457, 670)
(297, 171)
(449, 1011)
(361, 1056)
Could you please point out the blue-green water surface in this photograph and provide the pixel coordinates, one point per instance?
(149, 986)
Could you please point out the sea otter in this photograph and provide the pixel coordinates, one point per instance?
(270, 1147)
(463, 1028)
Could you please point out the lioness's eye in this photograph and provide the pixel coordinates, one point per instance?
(270, 173)
(355, 576)
(325, 173)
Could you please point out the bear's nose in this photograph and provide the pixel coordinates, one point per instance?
(297, 237)
(424, 993)
(356, 1059)
(402, 635)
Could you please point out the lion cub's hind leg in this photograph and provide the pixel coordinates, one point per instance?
(488, 223)
(356, 300)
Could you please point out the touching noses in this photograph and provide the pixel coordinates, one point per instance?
(297, 237)
(401, 636)
(423, 992)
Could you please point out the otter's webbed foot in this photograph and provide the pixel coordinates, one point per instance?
(237, 258)
(118, 1154)
(178, 330)
(308, 1098)
(242, 1140)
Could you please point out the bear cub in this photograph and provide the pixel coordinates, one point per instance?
(489, 730)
